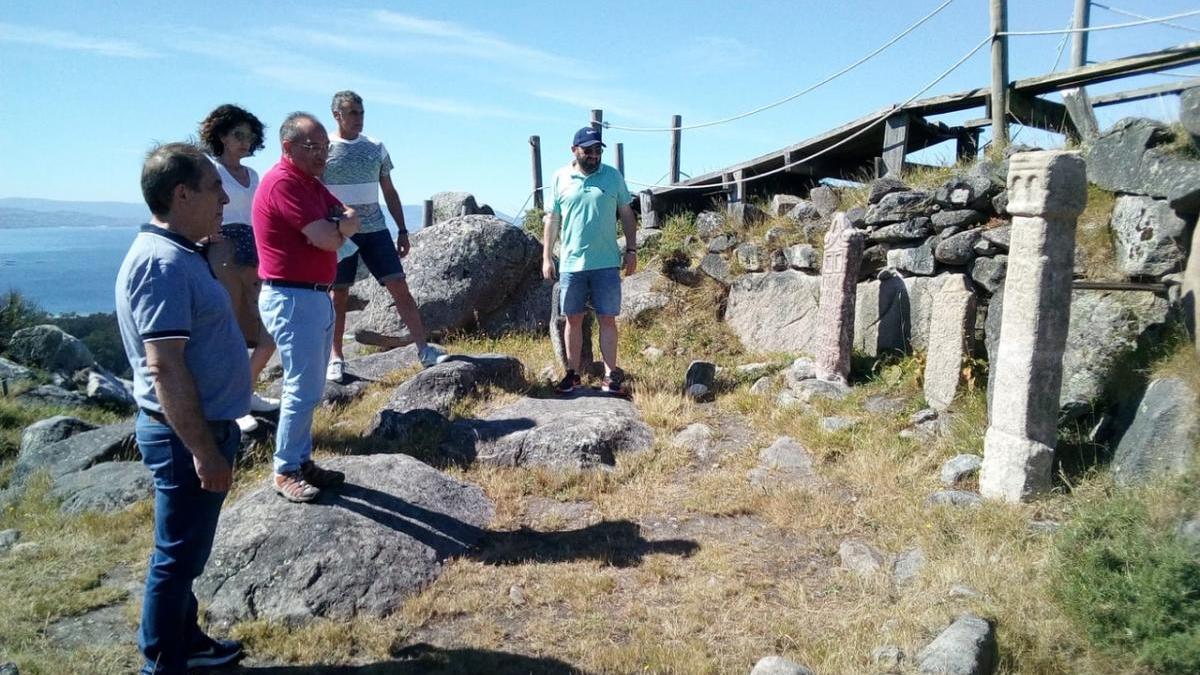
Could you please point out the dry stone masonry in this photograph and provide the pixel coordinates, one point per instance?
(1047, 192)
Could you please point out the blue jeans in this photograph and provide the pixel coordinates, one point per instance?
(185, 522)
(301, 322)
(602, 287)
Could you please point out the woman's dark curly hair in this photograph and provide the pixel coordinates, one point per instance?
(224, 119)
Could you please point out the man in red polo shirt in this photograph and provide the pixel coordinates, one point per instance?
(298, 227)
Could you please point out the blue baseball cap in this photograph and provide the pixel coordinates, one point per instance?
(587, 137)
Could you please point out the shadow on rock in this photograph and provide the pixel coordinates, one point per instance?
(424, 659)
(618, 543)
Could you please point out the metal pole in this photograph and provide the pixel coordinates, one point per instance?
(676, 122)
(1079, 45)
(999, 12)
(597, 119)
(535, 149)
(621, 158)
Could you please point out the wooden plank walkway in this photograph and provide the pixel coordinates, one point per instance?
(906, 131)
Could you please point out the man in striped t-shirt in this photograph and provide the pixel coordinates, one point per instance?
(357, 168)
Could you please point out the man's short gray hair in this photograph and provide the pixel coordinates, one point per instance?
(290, 129)
(343, 96)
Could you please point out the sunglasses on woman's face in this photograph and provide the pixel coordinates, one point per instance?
(243, 136)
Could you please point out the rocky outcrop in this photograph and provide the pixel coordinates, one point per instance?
(472, 267)
(1148, 236)
(1129, 159)
(587, 430)
(438, 388)
(1162, 440)
(360, 550)
(52, 430)
(642, 294)
(448, 205)
(774, 312)
(109, 486)
(79, 452)
(49, 348)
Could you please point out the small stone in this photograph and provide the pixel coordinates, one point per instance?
(779, 261)
(693, 437)
(802, 257)
(960, 218)
(751, 257)
(752, 368)
(516, 595)
(888, 656)
(965, 592)
(810, 389)
(699, 393)
(801, 369)
(652, 354)
(883, 405)
(709, 224)
(954, 498)
(700, 372)
(775, 235)
(825, 199)
(1189, 531)
(908, 566)
(959, 468)
(8, 539)
(916, 260)
(922, 416)
(860, 557)
(966, 647)
(777, 665)
(9, 669)
(721, 243)
(989, 272)
(1044, 526)
(761, 386)
(838, 423)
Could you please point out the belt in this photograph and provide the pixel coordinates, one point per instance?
(306, 285)
(162, 419)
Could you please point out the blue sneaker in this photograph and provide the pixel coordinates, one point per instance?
(215, 653)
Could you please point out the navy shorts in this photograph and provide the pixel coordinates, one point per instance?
(241, 241)
(601, 287)
(378, 251)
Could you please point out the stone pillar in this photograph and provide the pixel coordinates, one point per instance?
(558, 323)
(835, 314)
(1190, 298)
(951, 333)
(1047, 192)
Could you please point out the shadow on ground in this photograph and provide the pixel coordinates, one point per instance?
(423, 659)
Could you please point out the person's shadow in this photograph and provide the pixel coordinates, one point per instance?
(616, 542)
(424, 659)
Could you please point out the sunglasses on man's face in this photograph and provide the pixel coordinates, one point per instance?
(593, 151)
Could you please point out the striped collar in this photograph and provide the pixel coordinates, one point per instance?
(173, 237)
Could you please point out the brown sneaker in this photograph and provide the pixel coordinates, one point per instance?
(321, 478)
(292, 487)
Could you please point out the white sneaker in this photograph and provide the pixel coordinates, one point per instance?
(263, 403)
(336, 370)
(430, 355)
(247, 423)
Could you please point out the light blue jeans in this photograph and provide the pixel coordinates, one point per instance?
(301, 323)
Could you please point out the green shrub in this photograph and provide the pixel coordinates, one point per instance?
(16, 312)
(1130, 582)
(532, 223)
(102, 336)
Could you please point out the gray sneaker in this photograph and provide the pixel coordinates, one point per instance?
(430, 355)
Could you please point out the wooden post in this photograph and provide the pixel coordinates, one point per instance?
(676, 122)
(427, 215)
(597, 119)
(621, 158)
(1080, 40)
(999, 102)
(967, 144)
(535, 149)
(895, 143)
(880, 168)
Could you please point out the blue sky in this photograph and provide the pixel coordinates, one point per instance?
(455, 89)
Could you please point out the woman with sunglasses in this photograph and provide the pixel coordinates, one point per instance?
(231, 134)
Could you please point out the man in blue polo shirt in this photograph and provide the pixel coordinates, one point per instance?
(191, 380)
(586, 199)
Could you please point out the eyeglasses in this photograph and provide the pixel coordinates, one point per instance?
(593, 151)
(243, 136)
(319, 148)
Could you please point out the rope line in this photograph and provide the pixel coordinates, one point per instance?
(1115, 10)
(866, 127)
(1092, 29)
(794, 96)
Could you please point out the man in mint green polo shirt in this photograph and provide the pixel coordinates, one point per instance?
(586, 199)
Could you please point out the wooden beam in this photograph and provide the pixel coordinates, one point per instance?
(1174, 57)
(1033, 111)
(1145, 92)
(895, 143)
(1083, 116)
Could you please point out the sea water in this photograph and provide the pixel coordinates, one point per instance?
(64, 269)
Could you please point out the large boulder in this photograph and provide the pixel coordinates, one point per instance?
(449, 205)
(52, 430)
(380, 366)
(76, 453)
(585, 431)
(438, 388)
(1148, 236)
(1128, 159)
(12, 373)
(359, 550)
(52, 395)
(642, 294)
(774, 312)
(1189, 114)
(1162, 438)
(915, 260)
(49, 348)
(527, 311)
(106, 390)
(892, 314)
(110, 486)
(1105, 329)
(469, 268)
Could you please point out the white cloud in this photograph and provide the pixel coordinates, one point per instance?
(712, 52)
(60, 39)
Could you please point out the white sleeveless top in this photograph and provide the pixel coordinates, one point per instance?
(241, 199)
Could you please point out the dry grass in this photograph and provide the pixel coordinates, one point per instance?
(1095, 251)
(709, 574)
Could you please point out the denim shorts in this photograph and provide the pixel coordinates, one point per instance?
(378, 251)
(601, 287)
